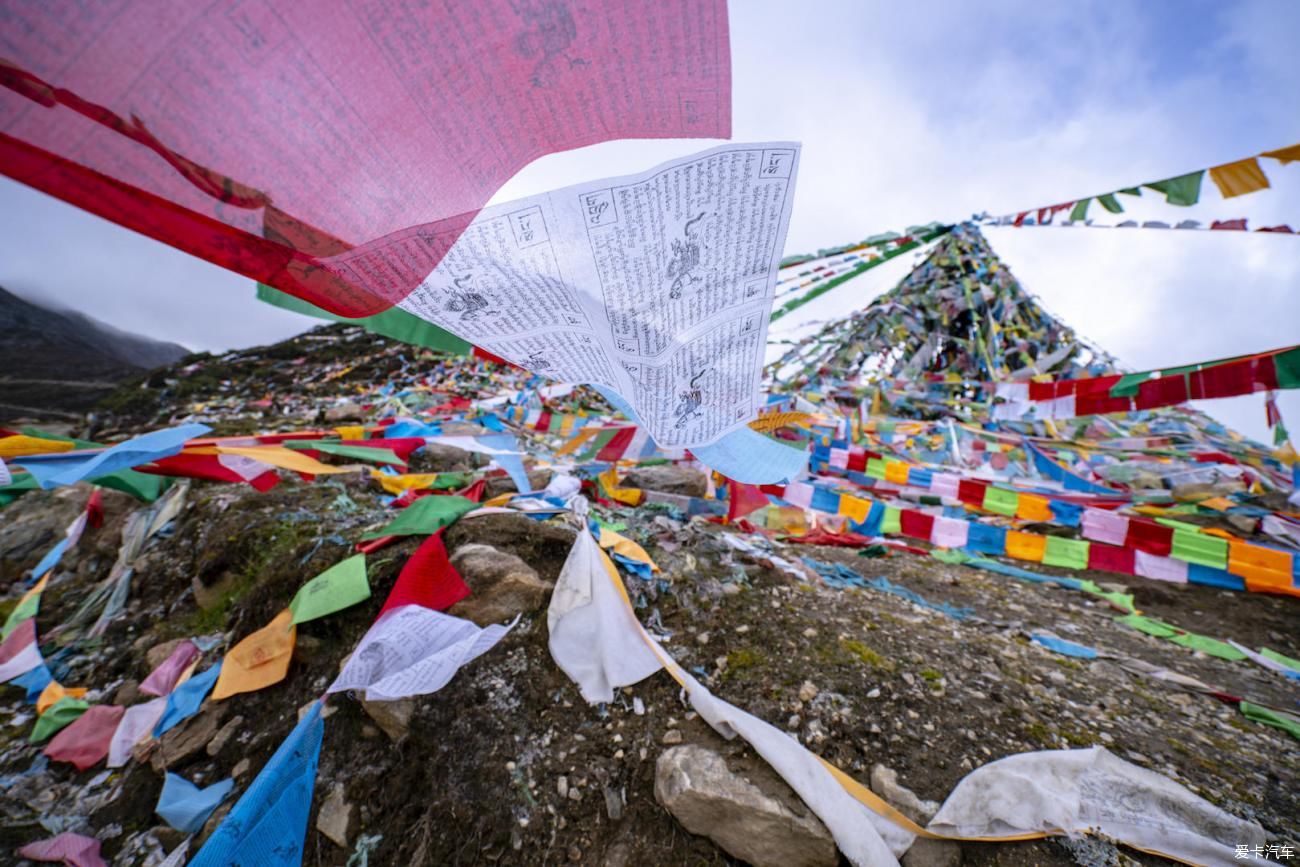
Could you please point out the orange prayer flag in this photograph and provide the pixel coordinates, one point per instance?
(1033, 508)
(1285, 155)
(260, 660)
(1239, 178)
(1026, 546)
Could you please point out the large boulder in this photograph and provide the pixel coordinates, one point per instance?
(668, 479)
(544, 545)
(767, 827)
(501, 585)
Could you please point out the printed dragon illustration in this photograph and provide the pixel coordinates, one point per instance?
(691, 399)
(685, 264)
(467, 300)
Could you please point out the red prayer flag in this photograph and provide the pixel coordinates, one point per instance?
(743, 499)
(917, 525)
(1111, 558)
(336, 152)
(428, 579)
(1150, 537)
(95, 509)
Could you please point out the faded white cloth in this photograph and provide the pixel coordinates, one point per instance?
(1076, 790)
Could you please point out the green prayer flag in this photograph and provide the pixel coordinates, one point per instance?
(1285, 722)
(393, 322)
(892, 522)
(342, 585)
(1066, 553)
(876, 468)
(56, 716)
(1207, 645)
(1175, 524)
(1000, 502)
(1147, 625)
(1122, 601)
(25, 610)
(1277, 657)
(1080, 210)
(1132, 191)
(361, 453)
(426, 516)
(1110, 203)
(1128, 384)
(1287, 365)
(1182, 190)
(1200, 548)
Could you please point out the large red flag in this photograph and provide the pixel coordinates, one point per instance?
(335, 151)
(428, 579)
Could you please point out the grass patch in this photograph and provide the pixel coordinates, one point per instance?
(864, 655)
(741, 663)
(265, 549)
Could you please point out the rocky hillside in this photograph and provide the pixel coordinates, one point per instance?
(59, 363)
(908, 685)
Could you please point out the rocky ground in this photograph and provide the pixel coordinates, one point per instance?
(508, 765)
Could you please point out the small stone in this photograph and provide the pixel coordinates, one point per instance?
(874, 692)
(672, 736)
(793, 722)
(808, 691)
(575, 794)
(393, 717)
(702, 638)
(241, 767)
(562, 786)
(575, 854)
(932, 853)
(810, 633)
(223, 736)
(884, 782)
(127, 694)
(337, 818)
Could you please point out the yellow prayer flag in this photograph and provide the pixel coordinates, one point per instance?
(279, 456)
(405, 482)
(896, 472)
(260, 660)
(19, 446)
(1239, 178)
(572, 445)
(854, 508)
(351, 431)
(621, 544)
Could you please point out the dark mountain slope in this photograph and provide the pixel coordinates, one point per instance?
(58, 364)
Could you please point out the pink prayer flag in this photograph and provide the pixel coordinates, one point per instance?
(336, 151)
(85, 741)
(1160, 568)
(949, 533)
(74, 849)
(1101, 525)
(163, 679)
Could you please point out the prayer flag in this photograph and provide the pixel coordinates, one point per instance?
(342, 585)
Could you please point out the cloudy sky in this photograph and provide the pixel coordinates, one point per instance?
(907, 113)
